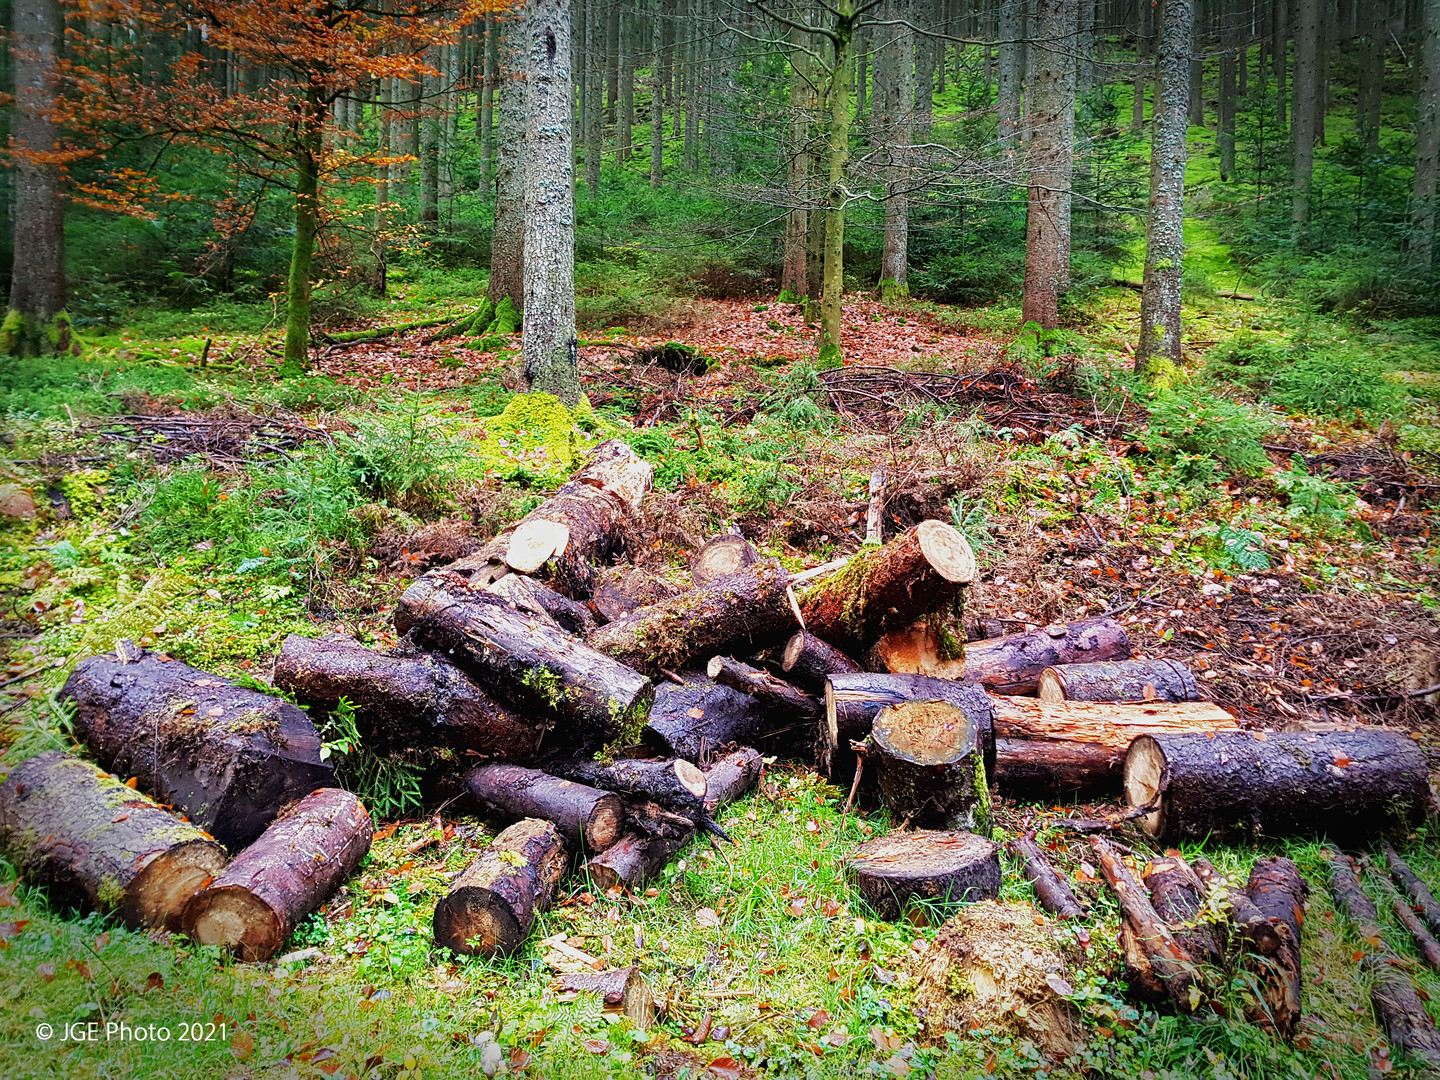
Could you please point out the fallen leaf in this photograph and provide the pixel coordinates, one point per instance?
(156, 981)
(596, 1046)
(695, 714)
(818, 1019)
(1059, 985)
(707, 917)
(725, 1068)
(242, 1044)
(46, 971)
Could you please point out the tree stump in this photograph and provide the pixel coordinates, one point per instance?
(95, 843)
(808, 662)
(727, 553)
(932, 770)
(622, 993)
(940, 867)
(1355, 783)
(253, 907)
(491, 907)
(1119, 680)
(589, 819)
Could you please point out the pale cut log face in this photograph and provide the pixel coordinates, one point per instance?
(926, 732)
(1144, 774)
(159, 892)
(238, 921)
(536, 542)
(947, 550)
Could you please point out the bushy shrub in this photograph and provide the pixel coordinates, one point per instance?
(1337, 384)
(1248, 358)
(1188, 420)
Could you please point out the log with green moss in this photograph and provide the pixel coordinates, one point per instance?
(95, 843)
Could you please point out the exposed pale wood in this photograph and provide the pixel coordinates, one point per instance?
(535, 542)
(491, 906)
(623, 992)
(874, 513)
(633, 860)
(727, 553)
(808, 662)
(731, 776)
(931, 765)
(944, 867)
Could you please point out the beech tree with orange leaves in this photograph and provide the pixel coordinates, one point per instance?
(279, 128)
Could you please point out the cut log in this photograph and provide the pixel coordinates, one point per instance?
(1425, 943)
(691, 719)
(228, 757)
(674, 783)
(1178, 895)
(785, 703)
(622, 992)
(540, 671)
(1278, 891)
(589, 819)
(1350, 896)
(1280, 783)
(297, 864)
(937, 867)
(881, 589)
(931, 765)
(491, 907)
(1051, 890)
(1052, 748)
(584, 520)
(1409, 1028)
(1139, 975)
(808, 662)
(1166, 958)
(539, 601)
(1011, 664)
(1246, 919)
(738, 613)
(1119, 680)
(633, 860)
(1421, 899)
(95, 843)
(725, 554)
(619, 590)
(731, 776)
(403, 701)
(853, 701)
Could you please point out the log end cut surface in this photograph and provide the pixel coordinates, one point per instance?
(235, 919)
(1144, 778)
(947, 550)
(159, 892)
(948, 867)
(925, 732)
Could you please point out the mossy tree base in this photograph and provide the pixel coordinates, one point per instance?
(892, 292)
(32, 335)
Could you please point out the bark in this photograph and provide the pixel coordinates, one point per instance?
(295, 866)
(732, 775)
(938, 867)
(740, 612)
(1355, 783)
(1425, 943)
(673, 784)
(808, 662)
(1278, 891)
(832, 297)
(882, 589)
(228, 757)
(1350, 898)
(1178, 895)
(1010, 29)
(1248, 922)
(595, 69)
(485, 115)
(1164, 957)
(403, 701)
(527, 595)
(507, 245)
(1123, 680)
(622, 992)
(307, 151)
(588, 818)
(852, 702)
(37, 282)
(94, 843)
(793, 282)
(727, 553)
(1051, 890)
(491, 907)
(1409, 1028)
(693, 719)
(1143, 35)
(1164, 232)
(1050, 158)
(634, 860)
(899, 116)
(1427, 144)
(1225, 137)
(1372, 82)
(1307, 112)
(548, 333)
(429, 149)
(1013, 664)
(783, 701)
(619, 590)
(1415, 888)
(930, 757)
(379, 244)
(539, 671)
(657, 99)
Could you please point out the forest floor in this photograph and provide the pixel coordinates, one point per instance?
(1301, 584)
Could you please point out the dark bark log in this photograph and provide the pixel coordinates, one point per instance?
(727, 553)
(403, 701)
(1119, 680)
(1354, 783)
(295, 866)
(623, 992)
(1425, 943)
(693, 719)
(943, 867)
(1054, 768)
(785, 703)
(731, 776)
(1177, 895)
(619, 590)
(1409, 1028)
(539, 601)
(738, 613)
(1278, 891)
(588, 818)
(1170, 964)
(229, 758)
(881, 589)
(1052, 890)
(95, 843)
(594, 699)
(1421, 899)
(931, 766)
(808, 662)
(492, 905)
(674, 783)
(633, 860)
(1350, 897)
(1012, 664)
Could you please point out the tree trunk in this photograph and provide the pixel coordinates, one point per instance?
(1278, 891)
(1305, 113)
(741, 612)
(485, 116)
(1178, 897)
(1350, 897)
(619, 590)
(783, 701)
(491, 907)
(808, 662)
(657, 97)
(931, 763)
(633, 860)
(403, 701)
(1415, 888)
(1122, 680)
(228, 757)
(674, 784)
(1226, 134)
(1144, 33)
(1050, 158)
(589, 819)
(1355, 783)
(1409, 1028)
(379, 244)
(1164, 231)
(549, 341)
(1011, 28)
(625, 122)
(507, 245)
(295, 866)
(1425, 943)
(732, 775)
(793, 282)
(307, 150)
(535, 669)
(829, 352)
(727, 553)
(612, 61)
(92, 842)
(595, 65)
(882, 589)
(429, 148)
(1427, 143)
(899, 115)
(1051, 890)
(937, 867)
(525, 594)
(1372, 82)
(36, 324)
(693, 719)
